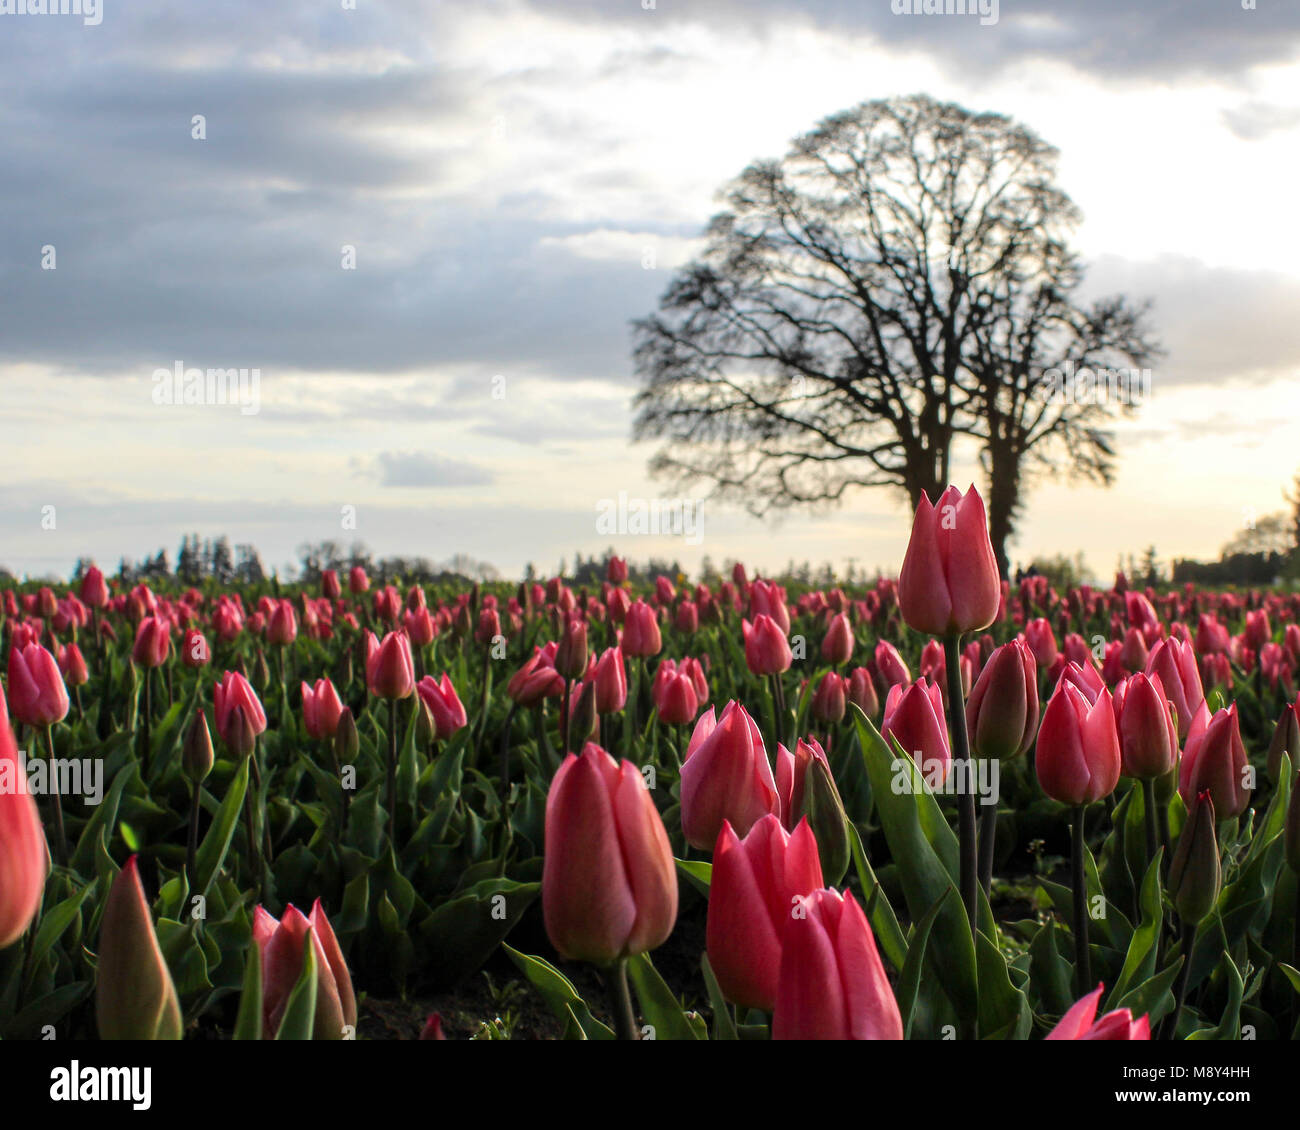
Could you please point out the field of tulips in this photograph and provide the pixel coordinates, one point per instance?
(940, 807)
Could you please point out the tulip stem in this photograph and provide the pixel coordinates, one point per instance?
(988, 839)
(620, 1000)
(1082, 955)
(966, 794)
(392, 774)
(1184, 975)
(1149, 816)
(505, 753)
(60, 837)
(192, 846)
(564, 721)
(144, 725)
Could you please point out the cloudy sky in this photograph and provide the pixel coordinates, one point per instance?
(518, 181)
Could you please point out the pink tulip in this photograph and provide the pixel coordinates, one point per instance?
(152, 642)
(1078, 759)
(949, 582)
(390, 671)
(22, 842)
(914, 716)
(832, 984)
(1175, 663)
(321, 708)
(1078, 1023)
(755, 883)
(609, 884)
(37, 694)
(1215, 760)
(641, 636)
(726, 776)
(1002, 711)
(283, 948)
(239, 714)
(444, 704)
(1148, 737)
(767, 651)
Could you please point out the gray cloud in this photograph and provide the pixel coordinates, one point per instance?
(414, 469)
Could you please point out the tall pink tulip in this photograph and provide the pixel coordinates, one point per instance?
(949, 582)
(832, 983)
(767, 651)
(1148, 737)
(390, 671)
(609, 884)
(641, 635)
(755, 883)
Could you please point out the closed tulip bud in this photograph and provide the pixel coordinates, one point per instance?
(752, 892)
(611, 682)
(767, 651)
(641, 635)
(1148, 737)
(584, 723)
(261, 670)
(358, 582)
(239, 714)
(37, 694)
(1134, 653)
(616, 570)
(22, 842)
(283, 946)
(726, 776)
(609, 884)
(282, 628)
(676, 699)
(321, 708)
(1078, 758)
(949, 582)
(152, 642)
(824, 810)
(94, 591)
(134, 995)
(329, 584)
(862, 692)
(1078, 1023)
(830, 699)
(347, 742)
(196, 753)
(73, 666)
(419, 626)
(837, 646)
(444, 705)
(1041, 641)
(890, 665)
(1215, 759)
(914, 717)
(687, 619)
(1286, 739)
(390, 671)
(832, 983)
(195, 652)
(1194, 876)
(571, 655)
(1002, 711)
(489, 626)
